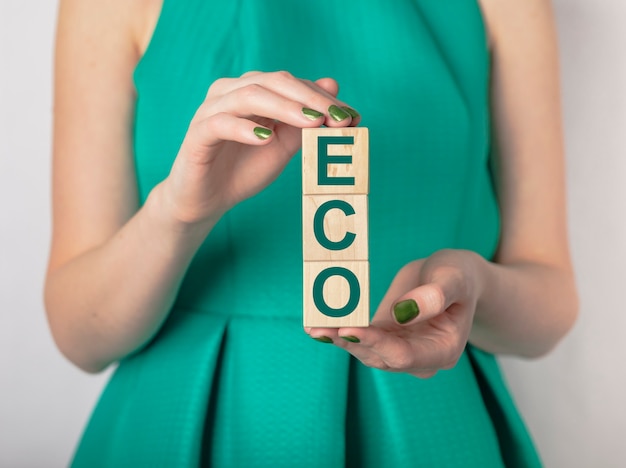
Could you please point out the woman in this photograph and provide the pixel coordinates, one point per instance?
(176, 241)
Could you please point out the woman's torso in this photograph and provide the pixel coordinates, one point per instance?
(231, 374)
(417, 73)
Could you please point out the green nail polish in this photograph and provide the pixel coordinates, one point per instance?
(262, 133)
(351, 339)
(323, 339)
(405, 311)
(354, 114)
(311, 113)
(337, 113)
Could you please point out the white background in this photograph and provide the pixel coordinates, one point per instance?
(573, 400)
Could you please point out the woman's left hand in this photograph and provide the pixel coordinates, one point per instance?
(424, 321)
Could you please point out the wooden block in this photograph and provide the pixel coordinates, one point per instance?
(334, 227)
(336, 294)
(335, 161)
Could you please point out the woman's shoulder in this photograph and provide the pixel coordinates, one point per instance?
(145, 15)
(510, 18)
(128, 23)
(108, 26)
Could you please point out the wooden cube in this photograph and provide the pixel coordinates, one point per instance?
(335, 227)
(335, 161)
(336, 294)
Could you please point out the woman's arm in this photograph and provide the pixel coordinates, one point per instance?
(113, 272)
(115, 268)
(529, 301)
(524, 301)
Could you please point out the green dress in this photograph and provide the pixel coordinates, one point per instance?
(231, 380)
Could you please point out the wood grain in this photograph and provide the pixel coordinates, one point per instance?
(337, 293)
(357, 169)
(337, 226)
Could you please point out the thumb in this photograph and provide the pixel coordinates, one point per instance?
(427, 301)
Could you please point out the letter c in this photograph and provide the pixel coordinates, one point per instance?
(318, 225)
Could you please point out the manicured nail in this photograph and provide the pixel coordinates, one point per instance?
(262, 133)
(351, 339)
(323, 339)
(405, 311)
(337, 113)
(311, 113)
(354, 114)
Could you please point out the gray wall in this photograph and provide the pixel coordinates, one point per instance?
(572, 400)
(44, 401)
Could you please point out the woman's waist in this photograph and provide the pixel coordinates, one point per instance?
(254, 297)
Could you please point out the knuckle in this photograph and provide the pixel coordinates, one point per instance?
(425, 374)
(214, 121)
(375, 363)
(204, 129)
(436, 297)
(319, 102)
(198, 130)
(249, 91)
(205, 110)
(451, 362)
(455, 351)
(217, 85)
(401, 361)
(380, 366)
(410, 270)
(282, 76)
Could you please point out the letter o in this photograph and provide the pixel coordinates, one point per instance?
(318, 292)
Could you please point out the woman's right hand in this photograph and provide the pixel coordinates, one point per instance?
(115, 267)
(240, 139)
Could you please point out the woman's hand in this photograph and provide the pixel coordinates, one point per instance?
(241, 138)
(424, 321)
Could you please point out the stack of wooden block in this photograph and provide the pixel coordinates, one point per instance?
(335, 185)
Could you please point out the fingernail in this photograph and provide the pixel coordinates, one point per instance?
(354, 114)
(337, 113)
(262, 133)
(323, 339)
(311, 113)
(405, 311)
(351, 339)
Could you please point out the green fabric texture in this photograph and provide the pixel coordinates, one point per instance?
(231, 380)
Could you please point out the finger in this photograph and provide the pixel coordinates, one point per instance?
(330, 88)
(220, 127)
(254, 100)
(252, 73)
(413, 349)
(404, 281)
(341, 337)
(328, 85)
(323, 335)
(283, 83)
(393, 349)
